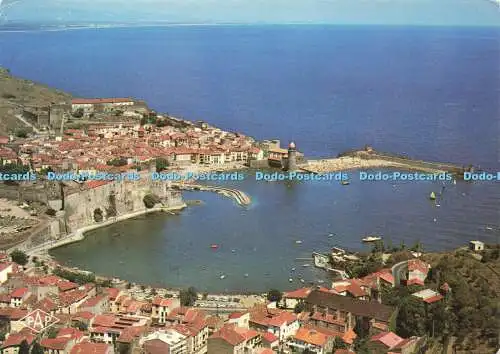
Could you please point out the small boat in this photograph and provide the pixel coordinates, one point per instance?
(438, 205)
(432, 196)
(298, 242)
(306, 265)
(331, 235)
(290, 280)
(371, 238)
(293, 269)
(344, 182)
(435, 219)
(489, 228)
(214, 246)
(321, 281)
(454, 181)
(222, 276)
(246, 275)
(233, 251)
(302, 280)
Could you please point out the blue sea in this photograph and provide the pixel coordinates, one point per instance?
(427, 92)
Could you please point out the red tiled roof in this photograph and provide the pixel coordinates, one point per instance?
(104, 321)
(55, 343)
(19, 292)
(93, 301)
(15, 339)
(246, 333)
(96, 183)
(156, 346)
(70, 332)
(112, 293)
(229, 335)
(158, 301)
(90, 348)
(272, 317)
(67, 285)
(434, 298)
(417, 264)
(297, 294)
(269, 337)
(389, 339)
(415, 281)
(86, 315)
(235, 315)
(72, 296)
(311, 336)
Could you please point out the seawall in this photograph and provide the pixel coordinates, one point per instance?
(79, 234)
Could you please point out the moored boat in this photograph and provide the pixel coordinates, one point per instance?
(371, 238)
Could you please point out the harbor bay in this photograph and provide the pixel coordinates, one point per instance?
(272, 240)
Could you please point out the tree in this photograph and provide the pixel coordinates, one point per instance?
(338, 343)
(52, 332)
(161, 164)
(150, 200)
(299, 307)
(21, 133)
(37, 348)
(117, 162)
(161, 123)
(24, 347)
(188, 297)
(78, 113)
(274, 295)
(19, 257)
(50, 212)
(82, 326)
(98, 215)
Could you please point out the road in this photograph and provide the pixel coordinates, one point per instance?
(20, 117)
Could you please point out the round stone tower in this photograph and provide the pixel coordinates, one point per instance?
(292, 157)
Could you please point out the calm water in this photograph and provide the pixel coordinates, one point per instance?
(432, 93)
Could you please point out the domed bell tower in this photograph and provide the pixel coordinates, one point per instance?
(292, 157)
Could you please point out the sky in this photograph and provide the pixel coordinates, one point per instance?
(411, 12)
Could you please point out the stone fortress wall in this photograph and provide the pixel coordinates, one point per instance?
(115, 199)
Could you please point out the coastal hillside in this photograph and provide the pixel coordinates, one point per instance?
(17, 94)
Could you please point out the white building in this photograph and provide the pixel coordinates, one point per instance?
(476, 246)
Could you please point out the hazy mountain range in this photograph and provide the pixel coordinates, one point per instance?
(413, 12)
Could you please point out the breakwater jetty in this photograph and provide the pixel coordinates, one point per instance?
(240, 197)
(369, 158)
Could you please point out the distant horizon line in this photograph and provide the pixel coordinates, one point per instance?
(159, 23)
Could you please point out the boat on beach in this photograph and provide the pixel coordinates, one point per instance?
(371, 238)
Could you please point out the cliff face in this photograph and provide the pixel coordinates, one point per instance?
(17, 94)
